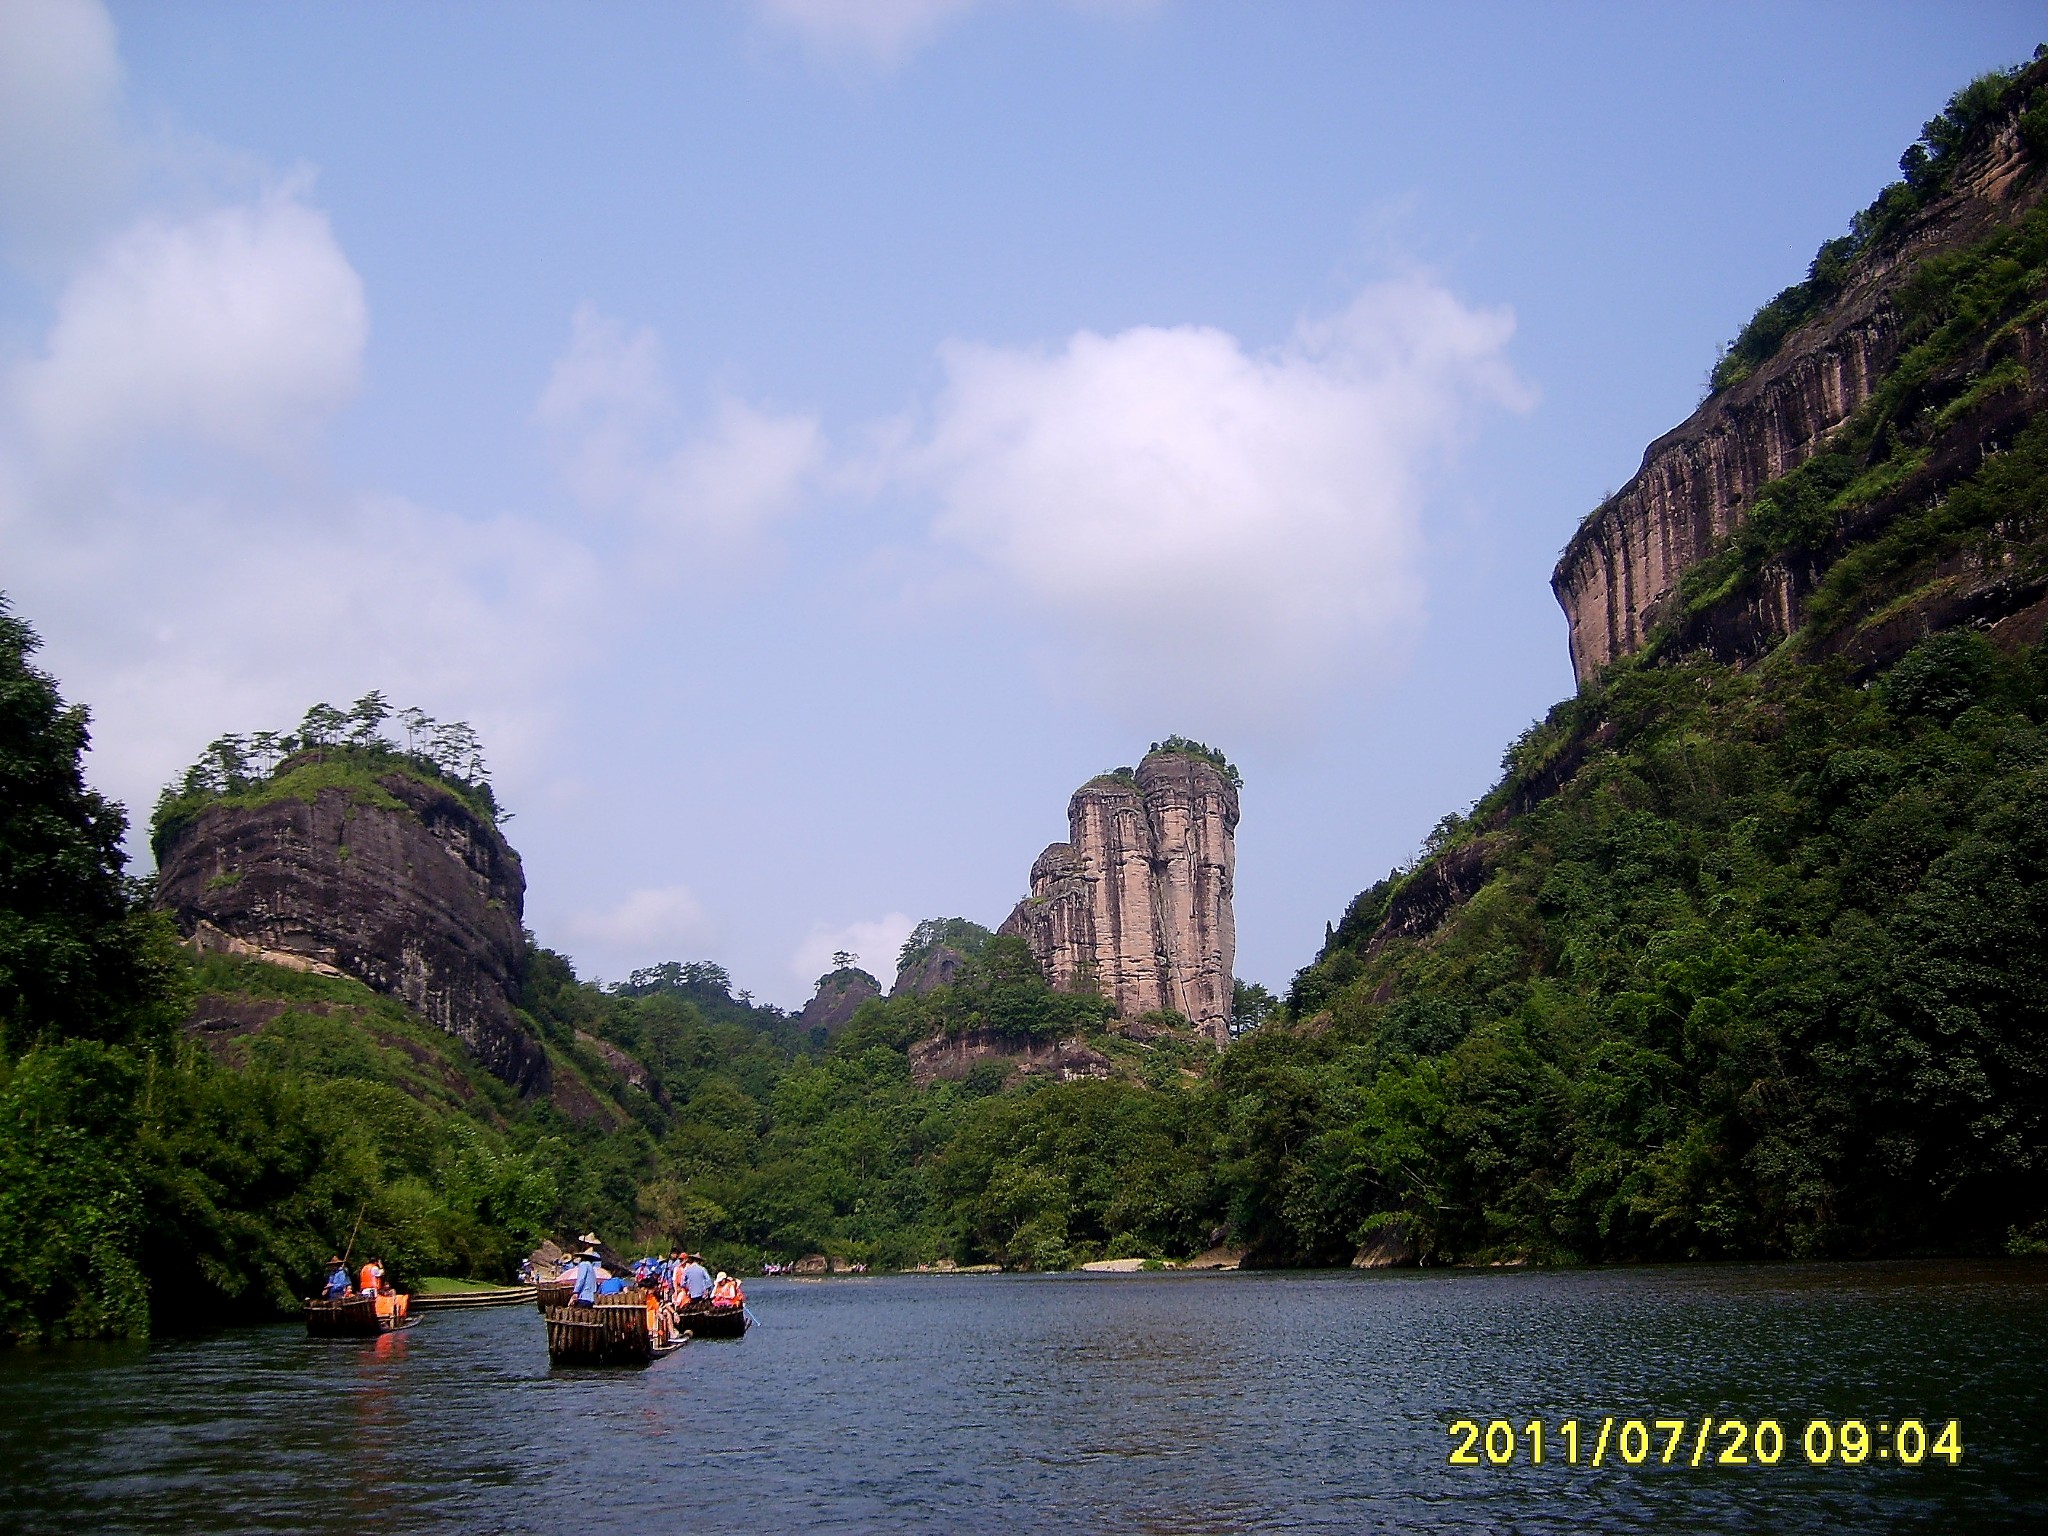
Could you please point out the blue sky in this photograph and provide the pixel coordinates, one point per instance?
(808, 439)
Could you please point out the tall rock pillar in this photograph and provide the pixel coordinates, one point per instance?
(1136, 904)
(1193, 811)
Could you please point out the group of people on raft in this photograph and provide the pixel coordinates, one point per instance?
(369, 1281)
(677, 1281)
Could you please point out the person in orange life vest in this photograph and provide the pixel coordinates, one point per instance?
(371, 1280)
(725, 1291)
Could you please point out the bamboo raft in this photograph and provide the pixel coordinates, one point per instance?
(619, 1330)
(705, 1321)
(498, 1296)
(358, 1317)
(552, 1293)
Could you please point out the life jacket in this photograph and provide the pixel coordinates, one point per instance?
(726, 1294)
(367, 1280)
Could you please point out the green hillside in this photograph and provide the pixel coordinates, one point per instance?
(1744, 953)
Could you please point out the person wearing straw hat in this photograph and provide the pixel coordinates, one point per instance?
(337, 1279)
(589, 1276)
(696, 1278)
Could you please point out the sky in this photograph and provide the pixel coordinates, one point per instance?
(808, 438)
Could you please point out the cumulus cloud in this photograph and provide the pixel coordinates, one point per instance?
(62, 160)
(182, 584)
(1227, 528)
(647, 926)
(874, 942)
(179, 619)
(623, 444)
(241, 328)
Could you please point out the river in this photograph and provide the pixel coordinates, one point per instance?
(1166, 1403)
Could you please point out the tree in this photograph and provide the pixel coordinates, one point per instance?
(323, 726)
(71, 960)
(366, 719)
(844, 959)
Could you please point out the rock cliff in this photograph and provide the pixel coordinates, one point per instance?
(1618, 577)
(838, 998)
(1137, 902)
(396, 882)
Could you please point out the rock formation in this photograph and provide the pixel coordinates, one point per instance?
(935, 954)
(1136, 903)
(937, 967)
(1616, 577)
(408, 890)
(839, 996)
(950, 1058)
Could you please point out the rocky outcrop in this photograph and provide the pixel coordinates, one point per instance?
(949, 1058)
(939, 966)
(407, 890)
(1136, 904)
(837, 999)
(1618, 575)
(629, 1067)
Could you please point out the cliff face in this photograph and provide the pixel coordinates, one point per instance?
(1617, 578)
(1137, 902)
(421, 900)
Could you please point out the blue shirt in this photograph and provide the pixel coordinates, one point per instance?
(586, 1281)
(337, 1283)
(696, 1280)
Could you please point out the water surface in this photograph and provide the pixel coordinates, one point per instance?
(1168, 1403)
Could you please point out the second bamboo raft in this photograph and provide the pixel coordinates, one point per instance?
(619, 1330)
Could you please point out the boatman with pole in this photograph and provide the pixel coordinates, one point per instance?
(588, 1278)
(337, 1282)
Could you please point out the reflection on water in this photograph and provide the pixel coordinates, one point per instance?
(1161, 1403)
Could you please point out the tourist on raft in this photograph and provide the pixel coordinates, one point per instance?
(337, 1281)
(726, 1292)
(696, 1278)
(371, 1280)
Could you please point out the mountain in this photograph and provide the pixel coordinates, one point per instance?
(1744, 954)
(360, 862)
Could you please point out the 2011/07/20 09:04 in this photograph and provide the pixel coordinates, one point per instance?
(1848, 1443)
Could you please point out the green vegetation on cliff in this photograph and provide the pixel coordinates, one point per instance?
(331, 749)
(1928, 168)
(1765, 977)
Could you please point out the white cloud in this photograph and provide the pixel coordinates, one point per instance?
(622, 444)
(647, 926)
(62, 162)
(190, 590)
(874, 942)
(241, 328)
(181, 619)
(883, 32)
(1215, 529)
